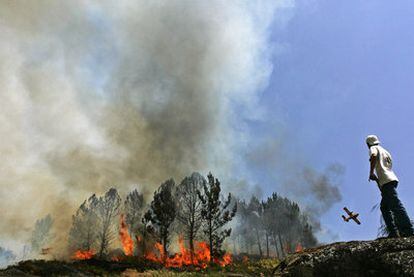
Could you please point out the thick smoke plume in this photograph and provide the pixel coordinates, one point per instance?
(102, 93)
(321, 191)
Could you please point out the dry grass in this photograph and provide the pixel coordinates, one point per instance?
(262, 267)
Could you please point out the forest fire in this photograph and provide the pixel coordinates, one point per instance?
(200, 258)
(126, 240)
(89, 229)
(83, 254)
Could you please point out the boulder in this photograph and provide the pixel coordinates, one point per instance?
(381, 257)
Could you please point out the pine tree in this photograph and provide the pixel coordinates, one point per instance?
(41, 234)
(133, 205)
(216, 214)
(189, 207)
(162, 213)
(83, 233)
(107, 210)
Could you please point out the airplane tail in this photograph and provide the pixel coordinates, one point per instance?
(345, 219)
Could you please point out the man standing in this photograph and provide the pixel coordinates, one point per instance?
(393, 212)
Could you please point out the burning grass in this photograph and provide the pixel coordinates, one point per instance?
(83, 254)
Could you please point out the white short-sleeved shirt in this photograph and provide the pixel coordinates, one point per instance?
(383, 166)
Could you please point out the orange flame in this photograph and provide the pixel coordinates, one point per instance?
(299, 247)
(126, 240)
(225, 260)
(200, 257)
(83, 254)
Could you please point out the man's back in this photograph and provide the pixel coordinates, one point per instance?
(383, 166)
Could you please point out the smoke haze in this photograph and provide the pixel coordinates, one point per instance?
(96, 94)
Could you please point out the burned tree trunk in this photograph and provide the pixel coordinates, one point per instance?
(165, 249)
(279, 255)
(191, 242)
(267, 245)
(103, 245)
(210, 240)
(258, 243)
(281, 245)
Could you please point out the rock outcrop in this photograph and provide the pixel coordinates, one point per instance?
(381, 257)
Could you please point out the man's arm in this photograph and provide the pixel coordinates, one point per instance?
(373, 163)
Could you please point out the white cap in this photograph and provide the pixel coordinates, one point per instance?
(372, 140)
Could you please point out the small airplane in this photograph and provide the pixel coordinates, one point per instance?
(351, 215)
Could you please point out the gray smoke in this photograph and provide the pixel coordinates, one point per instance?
(102, 93)
(321, 191)
(324, 186)
(288, 172)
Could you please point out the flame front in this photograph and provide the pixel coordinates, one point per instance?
(200, 257)
(83, 254)
(126, 240)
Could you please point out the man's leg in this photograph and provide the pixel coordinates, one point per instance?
(387, 215)
(402, 221)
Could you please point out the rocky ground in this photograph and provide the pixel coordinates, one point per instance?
(381, 257)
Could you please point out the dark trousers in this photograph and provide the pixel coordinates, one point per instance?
(393, 212)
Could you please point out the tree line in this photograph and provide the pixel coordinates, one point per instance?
(195, 208)
(275, 225)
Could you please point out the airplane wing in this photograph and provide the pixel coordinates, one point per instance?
(347, 211)
(357, 220)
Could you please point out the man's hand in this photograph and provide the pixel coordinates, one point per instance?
(372, 177)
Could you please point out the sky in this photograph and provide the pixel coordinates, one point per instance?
(344, 72)
(271, 96)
